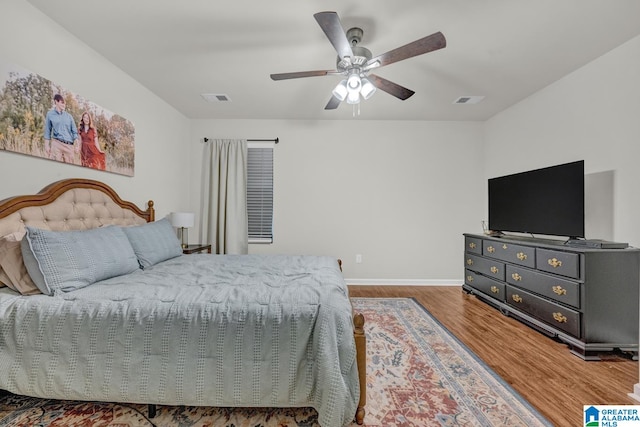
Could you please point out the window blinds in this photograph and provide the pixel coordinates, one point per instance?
(260, 192)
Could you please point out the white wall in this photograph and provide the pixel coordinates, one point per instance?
(591, 114)
(32, 41)
(399, 193)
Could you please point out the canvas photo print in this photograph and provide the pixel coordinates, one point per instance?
(43, 119)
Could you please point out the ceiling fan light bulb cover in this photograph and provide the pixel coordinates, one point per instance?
(353, 82)
(368, 89)
(340, 91)
(353, 97)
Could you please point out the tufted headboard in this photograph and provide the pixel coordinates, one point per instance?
(71, 204)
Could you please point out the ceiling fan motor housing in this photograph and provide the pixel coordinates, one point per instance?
(360, 54)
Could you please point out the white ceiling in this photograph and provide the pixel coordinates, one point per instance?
(504, 50)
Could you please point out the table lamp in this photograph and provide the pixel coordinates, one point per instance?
(183, 221)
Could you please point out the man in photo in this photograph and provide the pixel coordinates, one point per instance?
(60, 133)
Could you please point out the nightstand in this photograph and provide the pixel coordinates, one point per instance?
(195, 248)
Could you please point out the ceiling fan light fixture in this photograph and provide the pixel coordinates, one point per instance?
(368, 88)
(340, 91)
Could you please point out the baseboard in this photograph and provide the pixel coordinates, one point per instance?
(636, 392)
(403, 282)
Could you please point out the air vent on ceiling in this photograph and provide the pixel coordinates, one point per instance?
(468, 99)
(216, 97)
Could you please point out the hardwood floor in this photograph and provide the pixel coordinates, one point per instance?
(540, 369)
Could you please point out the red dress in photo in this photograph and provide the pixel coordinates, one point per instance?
(90, 156)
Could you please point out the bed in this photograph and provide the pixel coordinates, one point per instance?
(100, 304)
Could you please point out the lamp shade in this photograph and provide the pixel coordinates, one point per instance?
(182, 219)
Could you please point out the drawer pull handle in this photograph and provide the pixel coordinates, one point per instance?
(516, 298)
(555, 263)
(560, 318)
(495, 289)
(504, 246)
(521, 256)
(559, 290)
(469, 261)
(472, 245)
(516, 277)
(494, 270)
(491, 249)
(469, 279)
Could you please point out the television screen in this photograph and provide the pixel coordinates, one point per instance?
(546, 201)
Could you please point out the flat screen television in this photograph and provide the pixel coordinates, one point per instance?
(547, 201)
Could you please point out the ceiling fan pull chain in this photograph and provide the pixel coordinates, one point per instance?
(356, 109)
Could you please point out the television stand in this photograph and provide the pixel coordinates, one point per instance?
(588, 298)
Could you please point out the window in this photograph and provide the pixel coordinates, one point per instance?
(260, 192)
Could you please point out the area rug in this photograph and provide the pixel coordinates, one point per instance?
(418, 374)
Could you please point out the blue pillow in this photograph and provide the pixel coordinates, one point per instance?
(154, 242)
(69, 260)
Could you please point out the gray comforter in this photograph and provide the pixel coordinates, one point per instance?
(202, 330)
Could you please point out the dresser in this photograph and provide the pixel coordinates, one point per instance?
(587, 298)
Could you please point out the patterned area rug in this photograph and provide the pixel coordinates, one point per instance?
(418, 374)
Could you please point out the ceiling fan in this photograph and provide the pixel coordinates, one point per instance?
(356, 62)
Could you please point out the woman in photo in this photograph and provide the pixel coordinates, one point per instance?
(91, 154)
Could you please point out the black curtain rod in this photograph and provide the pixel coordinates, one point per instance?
(276, 140)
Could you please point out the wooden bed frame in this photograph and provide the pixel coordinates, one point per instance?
(52, 192)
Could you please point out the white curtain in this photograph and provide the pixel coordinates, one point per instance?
(223, 217)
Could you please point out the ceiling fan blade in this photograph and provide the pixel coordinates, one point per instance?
(330, 24)
(424, 45)
(390, 87)
(333, 103)
(299, 74)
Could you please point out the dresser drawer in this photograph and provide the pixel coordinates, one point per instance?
(558, 316)
(561, 290)
(517, 254)
(473, 245)
(486, 266)
(485, 284)
(558, 262)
